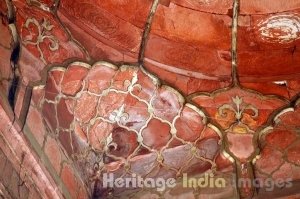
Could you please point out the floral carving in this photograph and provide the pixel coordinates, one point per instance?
(239, 108)
(43, 5)
(44, 33)
(119, 115)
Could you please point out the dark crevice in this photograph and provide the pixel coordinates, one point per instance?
(12, 91)
(294, 49)
(15, 84)
(15, 79)
(14, 58)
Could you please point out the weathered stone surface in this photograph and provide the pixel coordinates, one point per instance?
(267, 6)
(124, 77)
(147, 87)
(79, 138)
(253, 102)
(190, 125)
(98, 134)
(53, 84)
(99, 50)
(52, 150)
(211, 6)
(207, 148)
(69, 178)
(281, 139)
(291, 119)
(185, 82)
(284, 172)
(17, 150)
(293, 154)
(66, 141)
(183, 155)
(80, 133)
(99, 78)
(293, 87)
(186, 25)
(125, 142)
(179, 57)
(283, 59)
(241, 145)
(189, 47)
(72, 80)
(137, 113)
(102, 24)
(167, 103)
(5, 51)
(268, 88)
(3, 8)
(36, 125)
(85, 108)
(109, 103)
(125, 116)
(64, 116)
(135, 12)
(223, 164)
(157, 134)
(124, 109)
(38, 94)
(48, 111)
(43, 39)
(270, 160)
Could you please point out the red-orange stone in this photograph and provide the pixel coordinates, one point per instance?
(49, 113)
(64, 116)
(166, 104)
(98, 134)
(190, 125)
(72, 81)
(280, 138)
(53, 84)
(52, 150)
(69, 178)
(157, 134)
(269, 161)
(241, 145)
(99, 78)
(85, 108)
(126, 142)
(293, 154)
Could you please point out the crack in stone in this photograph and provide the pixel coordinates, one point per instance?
(234, 33)
(147, 31)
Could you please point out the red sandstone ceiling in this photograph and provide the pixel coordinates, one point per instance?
(152, 88)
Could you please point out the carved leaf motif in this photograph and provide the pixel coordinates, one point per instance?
(239, 109)
(43, 33)
(119, 115)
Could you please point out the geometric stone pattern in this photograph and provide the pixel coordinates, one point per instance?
(240, 113)
(280, 145)
(122, 120)
(101, 118)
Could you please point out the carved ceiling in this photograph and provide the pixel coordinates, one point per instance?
(154, 88)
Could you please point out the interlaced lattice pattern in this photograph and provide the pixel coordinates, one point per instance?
(122, 121)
